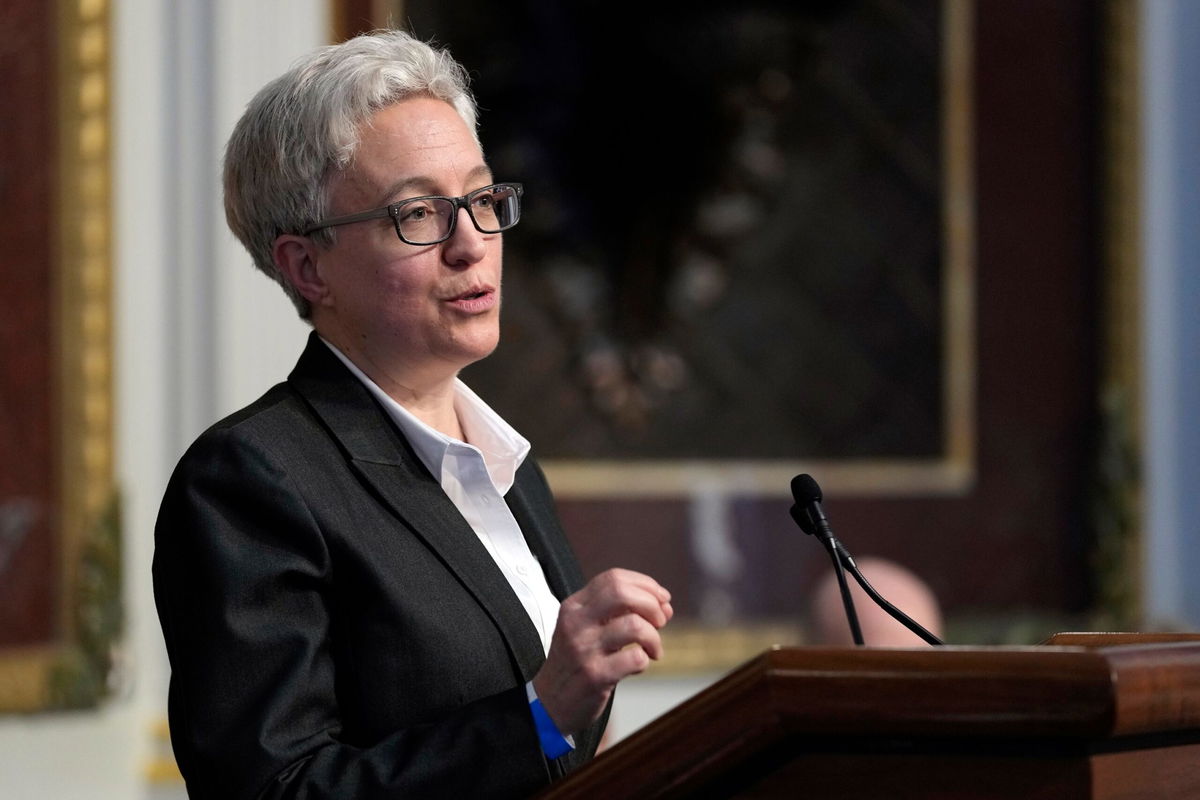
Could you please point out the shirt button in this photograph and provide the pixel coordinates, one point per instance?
(521, 569)
(487, 501)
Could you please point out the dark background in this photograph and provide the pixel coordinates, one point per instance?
(732, 245)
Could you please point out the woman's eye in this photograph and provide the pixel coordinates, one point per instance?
(414, 213)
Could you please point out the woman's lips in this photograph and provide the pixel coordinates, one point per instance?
(474, 301)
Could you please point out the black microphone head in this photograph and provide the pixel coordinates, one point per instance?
(804, 519)
(805, 490)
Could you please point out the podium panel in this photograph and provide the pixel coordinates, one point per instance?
(1084, 716)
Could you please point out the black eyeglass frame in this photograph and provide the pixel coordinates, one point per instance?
(393, 210)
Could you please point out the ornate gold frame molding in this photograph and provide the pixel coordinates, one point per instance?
(76, 670)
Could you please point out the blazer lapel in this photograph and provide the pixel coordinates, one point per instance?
(384, 460)
(532, 506)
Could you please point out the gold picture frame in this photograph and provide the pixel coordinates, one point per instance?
(74, 670)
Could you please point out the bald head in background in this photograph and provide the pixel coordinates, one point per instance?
(898, 585)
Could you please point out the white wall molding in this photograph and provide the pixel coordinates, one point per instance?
(1171, 295)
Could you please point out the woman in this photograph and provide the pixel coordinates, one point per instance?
(362, 583)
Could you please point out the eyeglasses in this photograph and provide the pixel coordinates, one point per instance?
(431, 219)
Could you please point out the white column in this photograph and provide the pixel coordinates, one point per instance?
(1171, 311)
(256, 335)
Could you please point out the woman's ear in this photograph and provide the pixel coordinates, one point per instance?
(296, 258)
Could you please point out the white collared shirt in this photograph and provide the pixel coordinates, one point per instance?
(476, 477)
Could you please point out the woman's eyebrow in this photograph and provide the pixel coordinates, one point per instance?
(418, 185)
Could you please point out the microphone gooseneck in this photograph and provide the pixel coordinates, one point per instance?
(811, 518)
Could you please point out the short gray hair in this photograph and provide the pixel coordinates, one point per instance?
(303, 127)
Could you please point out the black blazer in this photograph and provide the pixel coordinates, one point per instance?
(334, 626)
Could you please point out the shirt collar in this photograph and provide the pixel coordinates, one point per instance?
(502, 448)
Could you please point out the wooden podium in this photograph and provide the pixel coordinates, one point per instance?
(1082, 716)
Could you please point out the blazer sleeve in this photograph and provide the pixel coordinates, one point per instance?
(243, 582)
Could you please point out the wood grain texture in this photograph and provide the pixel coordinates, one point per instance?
(1059, 722)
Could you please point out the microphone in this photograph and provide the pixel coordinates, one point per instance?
(812, 520)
